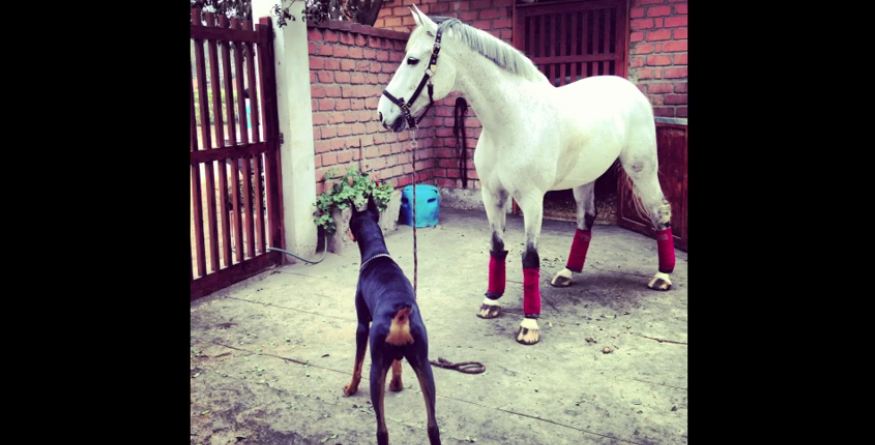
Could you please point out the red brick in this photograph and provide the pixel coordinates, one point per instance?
(658, 60)
(648, 73)
(674, 46)
(480, 4)
(675, 73)
(637, 36)
(314, 35)
(663, 111)
(326, 76)
(437, 8)
(636, 13)
(320, 118)
(680, 33)
(344, 130)
(681, 112)
(326, 50)
(326, 104)
(317, 63)
(676, 99)
(639, 24)
(671, 22)
(341, 51)
(329, 158)
(467, 16)
(680, 59)
(636, 62)
(330, 36)
(642, 48)
(489, 14)
(369, 54)
(346, 38)
(347, 64)
(658, 11)
(341, 77)
(345, 156)
(357, 78)
(332, 64)
(650, 2)
(501, 23)
(341, 104)
(355, 52)
(382, 56)
(680, 87)
(662, 87)
(662, 34)
(356, 104)
(360, 40)
(317, 133)
(657, 22)
(680, 9)
(322, 146)
(329, 131)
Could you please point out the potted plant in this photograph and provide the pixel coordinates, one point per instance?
(333, 206)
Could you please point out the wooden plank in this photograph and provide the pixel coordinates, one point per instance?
(271, 132)
(212, 229)
(252, 89)
(236, 225)
(574, 49)
(216, 88)
(196, 194)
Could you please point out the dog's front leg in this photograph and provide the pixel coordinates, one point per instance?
(379, 369)
(361, 344)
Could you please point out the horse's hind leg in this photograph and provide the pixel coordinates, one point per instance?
(495, 202)
(643, 172)
(584, 197)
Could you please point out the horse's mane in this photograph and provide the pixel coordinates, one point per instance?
(493, 48)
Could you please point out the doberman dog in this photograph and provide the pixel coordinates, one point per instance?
(385, 299)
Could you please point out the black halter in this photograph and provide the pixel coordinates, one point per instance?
(426, 80)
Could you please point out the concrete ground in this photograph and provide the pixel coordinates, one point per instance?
(270, 356)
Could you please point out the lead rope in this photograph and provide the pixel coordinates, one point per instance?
(413, 145)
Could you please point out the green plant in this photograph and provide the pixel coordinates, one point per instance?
(353, 187)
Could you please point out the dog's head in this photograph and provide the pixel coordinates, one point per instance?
(360, 219)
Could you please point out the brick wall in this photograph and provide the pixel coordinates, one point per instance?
(350, 65)
(658, 53)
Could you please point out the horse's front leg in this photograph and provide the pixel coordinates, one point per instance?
(533, 212)
(495, 202)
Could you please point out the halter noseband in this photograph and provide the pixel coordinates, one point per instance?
(426, 80)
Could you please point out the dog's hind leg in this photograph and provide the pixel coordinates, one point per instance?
(361, 345)
(379, 369)
(422, 368)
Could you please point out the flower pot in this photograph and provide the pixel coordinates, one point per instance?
(389, 217)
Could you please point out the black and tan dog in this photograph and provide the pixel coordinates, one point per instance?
(384, 299)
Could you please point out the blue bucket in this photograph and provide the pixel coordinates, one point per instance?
(428, 205)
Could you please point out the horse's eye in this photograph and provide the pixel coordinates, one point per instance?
(412, 61)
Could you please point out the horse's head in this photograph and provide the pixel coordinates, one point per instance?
(411, 72)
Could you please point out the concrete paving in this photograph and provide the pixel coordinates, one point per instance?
(270, 356)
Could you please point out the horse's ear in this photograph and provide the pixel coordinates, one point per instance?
(421, 19)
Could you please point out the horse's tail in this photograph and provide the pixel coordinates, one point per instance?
(399, 330)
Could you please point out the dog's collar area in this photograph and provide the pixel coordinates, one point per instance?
(372, 259)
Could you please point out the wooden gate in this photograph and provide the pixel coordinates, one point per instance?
(570, 40)
(234, 138)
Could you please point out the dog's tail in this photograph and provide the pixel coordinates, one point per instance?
(399, 330)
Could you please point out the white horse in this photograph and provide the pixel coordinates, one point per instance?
(535, 138)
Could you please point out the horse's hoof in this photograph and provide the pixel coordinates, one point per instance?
(489, 309)
(349, 390)
(395, 385)
(660, 281)
(529, 333)
(561, 279)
